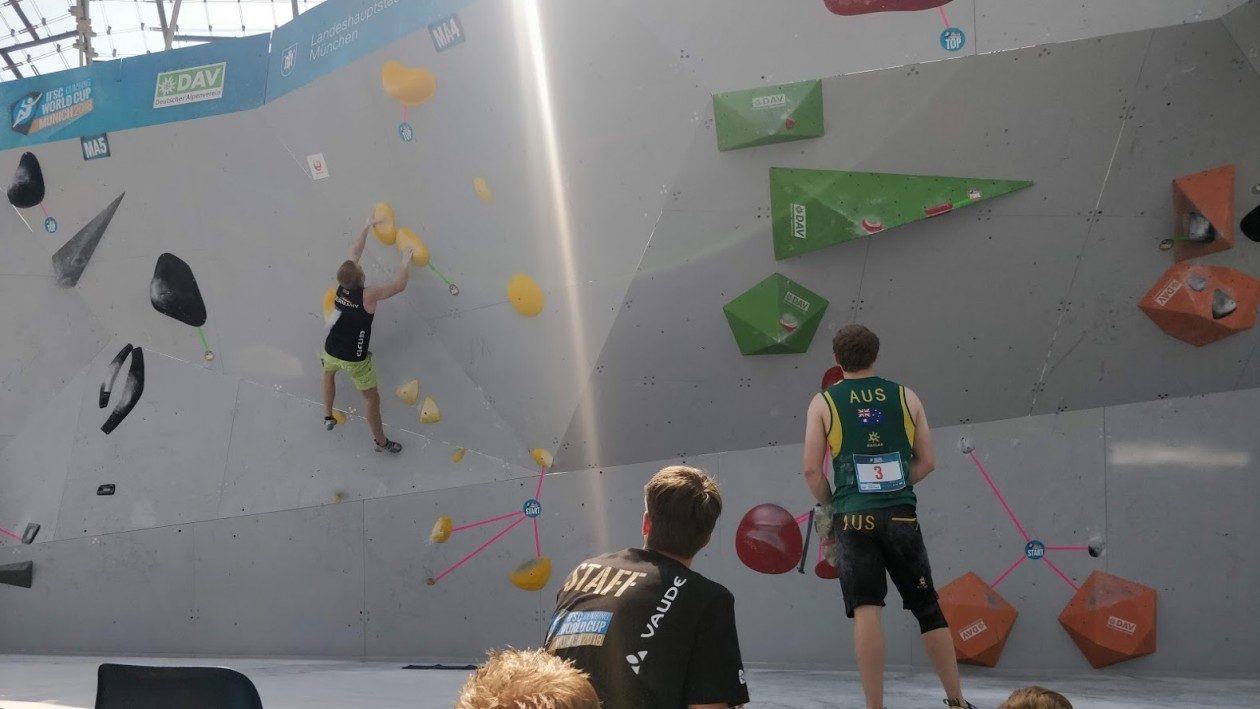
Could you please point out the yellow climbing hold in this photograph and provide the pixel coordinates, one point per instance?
(386, 230)
(330, 303)
(525, 295)
(408, 86)
(483, 190)
(441, 530)
(339, 417)
(542, 456)
(429, 412)
(408, 239)
(533, 574)
(458, 455)
(409, 392)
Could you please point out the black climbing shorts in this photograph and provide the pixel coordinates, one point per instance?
(876, 544)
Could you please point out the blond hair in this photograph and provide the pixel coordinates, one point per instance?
(683, 505)
(1035, 698)
(527, 679)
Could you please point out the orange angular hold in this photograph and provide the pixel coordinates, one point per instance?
(1211, 194)
(1202, 304)
(980, 620)
(1111, 619)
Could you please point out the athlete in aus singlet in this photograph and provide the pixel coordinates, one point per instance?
(347, 347)
(873, 433)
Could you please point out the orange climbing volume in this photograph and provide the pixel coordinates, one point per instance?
(1210, 194)
(980, 619)
(1202, 304)
(1111, 619)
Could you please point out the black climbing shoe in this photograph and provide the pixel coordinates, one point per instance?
(389, 447)
(955, 703)
(329, 423)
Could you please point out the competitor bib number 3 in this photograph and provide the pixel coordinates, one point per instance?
(879, 473)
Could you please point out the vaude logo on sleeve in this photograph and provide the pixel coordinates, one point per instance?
(1168, 292)
(192, 85)
(798, 221)
(771, 101)
(39, 110)
(1125, 626)
(972, 630)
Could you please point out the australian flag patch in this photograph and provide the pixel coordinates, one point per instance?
(870, 417)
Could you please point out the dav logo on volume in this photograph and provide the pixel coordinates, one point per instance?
(191, 85)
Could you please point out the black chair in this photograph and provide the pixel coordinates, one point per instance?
(138, 687)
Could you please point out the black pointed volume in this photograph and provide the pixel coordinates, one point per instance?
(131, 392)
(108, 385)
(28, 535)
(27, 189)
(21, 574)
(174, 291)
(1251, 225)
(72, 257)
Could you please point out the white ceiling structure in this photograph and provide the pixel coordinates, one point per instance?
(42, 36)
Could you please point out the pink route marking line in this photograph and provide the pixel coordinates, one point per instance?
(542, 470)
(1006, 573)
(943, 17)
(479, 549)
(483, 522)
(1067, 548)
(1062, 575)
(537, 542)
(992, 486)
(11, 534)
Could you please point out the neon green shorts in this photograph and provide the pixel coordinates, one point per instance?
(361, 373)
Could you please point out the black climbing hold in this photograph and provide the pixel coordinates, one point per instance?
(107, 489)
(108, 385)
(174, 291)
(72, 257)
(29, 534)
(131, 392)
(1196, 282)
(27, 189)
(21, 574)
(1251, 225)
(1222, 304)
(1095, 549)
(1199, 230)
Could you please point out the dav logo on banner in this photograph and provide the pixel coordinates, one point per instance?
(40, 110)
(191, 85)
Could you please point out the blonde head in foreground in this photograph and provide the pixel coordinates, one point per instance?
(527, 679)
(1035, 698)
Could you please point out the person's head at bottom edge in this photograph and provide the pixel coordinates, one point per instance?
(1035, 698)
(527, 679)
(681, 507)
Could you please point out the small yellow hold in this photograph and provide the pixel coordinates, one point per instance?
(330, 303)
(458, 455)
(542, 456)
(339, 417)
(408, 239)
(409, 392)
(525, 295)
(338, 498)
(408, 86)
(429, 412)
(483, 190)
(386, 230)
(532, 575)
(441, 530)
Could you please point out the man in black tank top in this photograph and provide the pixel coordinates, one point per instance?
(349, 336)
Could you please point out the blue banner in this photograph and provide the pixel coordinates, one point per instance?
(179, 85)
(330, 36)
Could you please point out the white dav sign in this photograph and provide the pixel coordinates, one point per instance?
(192, 85)
(319, 167)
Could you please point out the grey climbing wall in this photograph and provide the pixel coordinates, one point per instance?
(240, 526)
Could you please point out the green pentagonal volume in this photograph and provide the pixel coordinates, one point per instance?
(769, 114)
(776, 316)
(814, 209)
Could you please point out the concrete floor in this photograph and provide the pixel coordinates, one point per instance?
(27, 682)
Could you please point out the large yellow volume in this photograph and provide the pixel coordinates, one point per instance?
(386, 230)
(410, 87)
(525, 295)
(533, 574)
(408, 239)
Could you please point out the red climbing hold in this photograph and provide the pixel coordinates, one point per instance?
(769, 540)
(863, 7)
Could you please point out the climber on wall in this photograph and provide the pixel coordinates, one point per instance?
(347, 345)
(875, 435)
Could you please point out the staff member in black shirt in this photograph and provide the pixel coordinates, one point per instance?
(652, 633)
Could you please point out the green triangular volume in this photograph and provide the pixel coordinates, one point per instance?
(814, 209)
(776, 316)
(768, 114)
